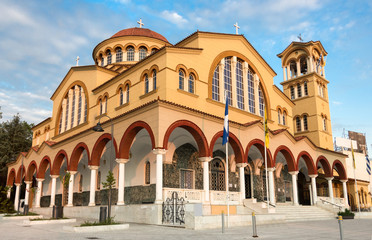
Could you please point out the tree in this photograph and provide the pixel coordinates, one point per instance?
(109, 185)
(15, 137)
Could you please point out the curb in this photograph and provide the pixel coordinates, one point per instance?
(90, 229)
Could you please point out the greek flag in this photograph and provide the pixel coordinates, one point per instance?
(368, 165)
(225, 137)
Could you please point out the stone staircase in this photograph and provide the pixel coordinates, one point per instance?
(303, 213)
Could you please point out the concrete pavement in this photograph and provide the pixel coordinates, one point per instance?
(358, 229)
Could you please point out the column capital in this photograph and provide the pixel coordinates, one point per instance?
(28, 182)
(72, 172)
(343, 181)
(40, 179)
(329, 178)
(271, 169)
(243, 165)
(91, 167)
(17, 184)
(122, 160)
(54, 176)
(313, 175)
(293, 173)
(205, 159)
(159, 151)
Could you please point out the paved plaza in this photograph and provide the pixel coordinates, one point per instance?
(328, 229)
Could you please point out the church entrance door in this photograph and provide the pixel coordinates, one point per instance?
(217, 175)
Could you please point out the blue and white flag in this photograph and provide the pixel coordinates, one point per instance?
(368, 165)
(225, 137)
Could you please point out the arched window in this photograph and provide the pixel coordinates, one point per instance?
(127, 93)
(100, 107)
(142, 53)
(79, 106)
(306, 93)
(67, 111)
(292, 93)
(60, 124)
(298, 124)
(239, 84)
(305, 122)
(325, 123)
(73, 108)
(191, 83)
(284, 117)
(303, 65)
(130, 53)
(154, 50)
(181, 79)
(261, 102)
(216, 84)
(119, 55)
(251, 100)
(121, 96)
(293, 69)
(227, 80)
(147, 172)
(109, 57)
(146, 83)
(105, 102)
(322, 90)
(98, 180)
(154, 79)
(279, 116)
(102, 61)
(299, 90)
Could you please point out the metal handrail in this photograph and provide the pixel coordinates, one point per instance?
(334, 204)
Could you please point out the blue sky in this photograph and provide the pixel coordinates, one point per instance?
(40, 40)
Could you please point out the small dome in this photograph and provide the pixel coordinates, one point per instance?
(139, 32)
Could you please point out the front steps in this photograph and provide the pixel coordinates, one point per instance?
(303, 213)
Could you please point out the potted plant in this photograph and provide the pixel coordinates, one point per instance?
(347, 214)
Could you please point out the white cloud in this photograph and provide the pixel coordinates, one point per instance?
(173, 17)
(336, 103)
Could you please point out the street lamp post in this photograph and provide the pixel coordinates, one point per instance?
(98, 128)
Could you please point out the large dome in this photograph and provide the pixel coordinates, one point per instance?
(139, 32)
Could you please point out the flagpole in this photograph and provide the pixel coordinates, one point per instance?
(227, 188)
(267, 189)
(225, 140)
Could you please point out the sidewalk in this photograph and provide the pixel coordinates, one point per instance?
(358, 229)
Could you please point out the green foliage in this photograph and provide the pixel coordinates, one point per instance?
(6, 206)
(65, 179)
(15, 137)
(347, 212)
(110, 181)
(109, 221)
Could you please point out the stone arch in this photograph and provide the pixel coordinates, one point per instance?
(311, 168)
(261, 147)
(194, 130)
(98, 148)
(11, 177)
(325, 164)
(75, 156)
(235, 144)
(340, 169)
(19, 177)
(129, 135)
(43, 167)
(57, 163)
(32, 168)
(289, 158)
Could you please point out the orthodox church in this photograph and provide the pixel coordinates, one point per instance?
(161, 107)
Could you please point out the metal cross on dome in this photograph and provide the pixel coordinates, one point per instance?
(236, 27)
(140, 23)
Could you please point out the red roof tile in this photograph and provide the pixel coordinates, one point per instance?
(140, 32)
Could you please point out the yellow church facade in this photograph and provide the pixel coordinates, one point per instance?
(164, 106)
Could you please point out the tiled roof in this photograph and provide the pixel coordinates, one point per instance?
(140, 32)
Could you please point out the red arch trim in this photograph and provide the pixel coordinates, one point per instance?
(11, 177)
(98, 148)
(311, 168)
(289, 158)
(325, 164)
(29, 174)
(19, 177)
(57, 163)
(43, 166)
(75, 156)
(130, 134)
(194, 130)
(341, 169)
(235, 144)
(261, 146)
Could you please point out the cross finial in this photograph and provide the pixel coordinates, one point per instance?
(77, 61)
(140, 23)
(236, 27)
(300, 38)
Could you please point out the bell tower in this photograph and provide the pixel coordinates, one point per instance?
(305, 84)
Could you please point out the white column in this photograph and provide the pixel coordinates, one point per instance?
(205, 161)
(344, 189)
(311, 194)
(92, 194)
(9, 192)
(298, 68)
(284, 75)
(294, 187)
(159, 174)
(53, 192)
(330, 188)
(271, 185)
(70, 95)
(64, 103)
(241, 167)
(82, 111)
(288, 72)
(252, 185)
(71, 189)
(38, 192)
(313, 187)
(121, 182)
(16, 199)
(76, 89)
